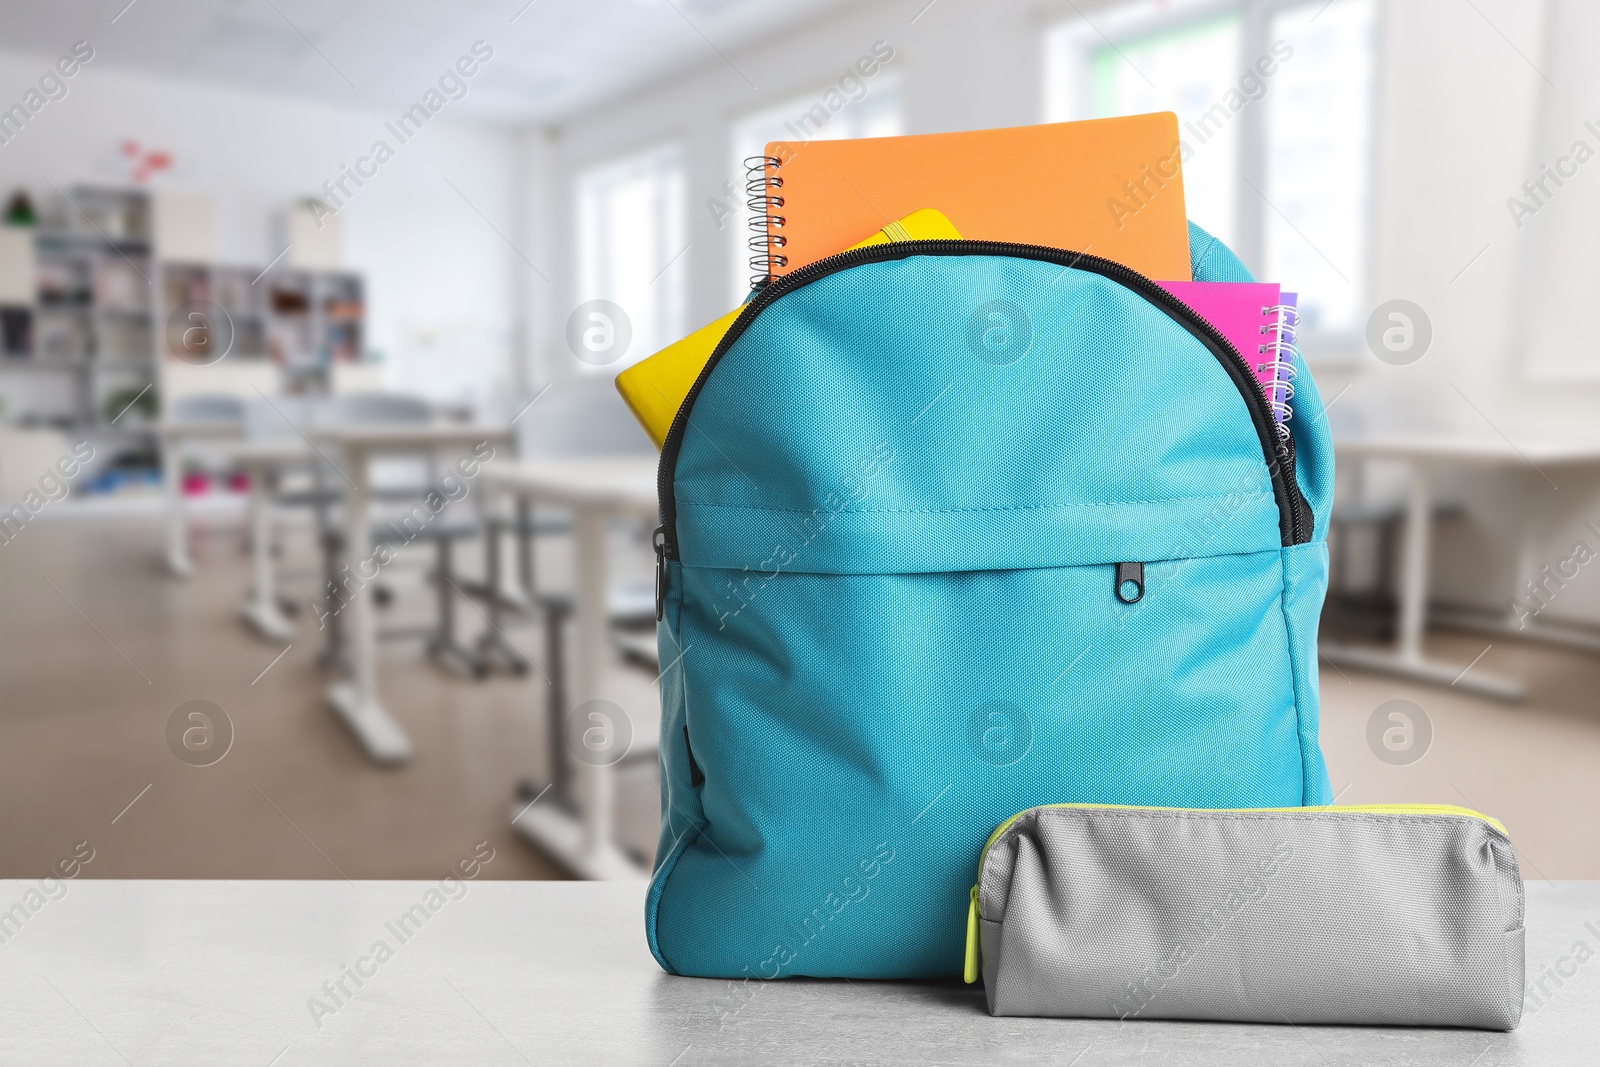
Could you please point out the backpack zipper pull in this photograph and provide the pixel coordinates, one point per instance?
(659, 541)
(1130, 582)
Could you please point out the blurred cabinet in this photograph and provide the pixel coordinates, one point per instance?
(226, 302)
(315, 236)
(302, 321)
(77, 307)
(185, 227)
(77, 336)
(16, 266)
(315, 319)
(17, 286)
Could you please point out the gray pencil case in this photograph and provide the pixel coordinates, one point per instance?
(1401, 914)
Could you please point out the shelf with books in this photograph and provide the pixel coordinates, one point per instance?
(313, 320)
(115, 217)
(343, 305)
(239, 294)
(77, 324)
(88, 308)
(301, 320)
(16, 331)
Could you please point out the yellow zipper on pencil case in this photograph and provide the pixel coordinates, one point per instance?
(970, 971)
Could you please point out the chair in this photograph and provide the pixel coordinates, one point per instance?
(278, 418)
(581, 418)
(584, 418)
(212, 415)
(268, 421)
(1358, 513)
(208, 407)
(396, 482)
(191, 420)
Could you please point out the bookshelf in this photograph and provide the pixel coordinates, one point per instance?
(91, 312)
(228, 288)
(76, 317)
(314, 319)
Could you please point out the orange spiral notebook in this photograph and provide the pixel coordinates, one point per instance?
(1109, 187)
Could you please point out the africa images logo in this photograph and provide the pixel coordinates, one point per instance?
(999, 733)
(999, 332)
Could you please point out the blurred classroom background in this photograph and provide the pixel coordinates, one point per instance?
(325, 542)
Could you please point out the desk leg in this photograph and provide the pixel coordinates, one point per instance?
(356, 701)
(261, 608)
(1416, 560)
(1407, 659)
(589, 603)
(493, 643)
(509, 591)
(587, 847)
(525, 548)
(178, 561)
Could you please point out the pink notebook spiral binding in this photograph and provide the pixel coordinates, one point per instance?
(1259, 319)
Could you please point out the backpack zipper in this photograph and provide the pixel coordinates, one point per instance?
(658, 541)
(1294, 513)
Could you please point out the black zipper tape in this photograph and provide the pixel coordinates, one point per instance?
(697, 777)
(1294, 513)
(659, 543)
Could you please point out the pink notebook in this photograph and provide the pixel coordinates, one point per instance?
(1258, 318)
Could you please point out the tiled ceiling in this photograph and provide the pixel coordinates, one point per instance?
(550, 56)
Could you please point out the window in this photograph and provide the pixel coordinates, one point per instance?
(1316, 174)
(1184, 67)
(874, 113)
(631, 245)
(1276, 164)
(1552, 215)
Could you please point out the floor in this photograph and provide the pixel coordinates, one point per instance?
(98, 646)
(1534, 765)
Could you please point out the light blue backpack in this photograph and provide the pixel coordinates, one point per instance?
(952, 529)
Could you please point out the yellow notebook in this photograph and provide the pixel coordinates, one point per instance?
(654, 388)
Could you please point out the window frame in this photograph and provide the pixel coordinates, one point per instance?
(673, 150)
(1251, 210)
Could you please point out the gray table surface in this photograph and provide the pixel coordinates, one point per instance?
(168, 972)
